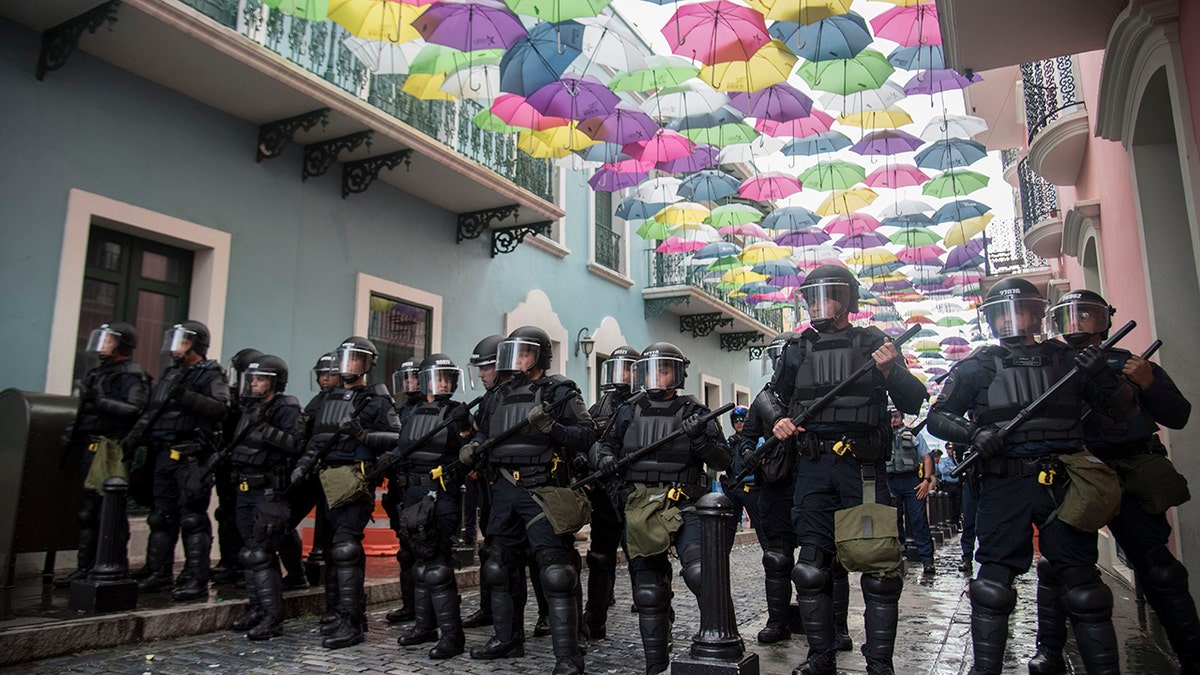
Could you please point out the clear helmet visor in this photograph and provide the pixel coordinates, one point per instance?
(616, 372)
(771, 355)
(481, 375)
(103, 341)
(353, 361)
(1078, 319)
(177, 340)
(257, 382)
(1014, 317)
(325, 375)
(517, 355)
(440, 380)
(406, 381)
(826, 299)
(658, 373)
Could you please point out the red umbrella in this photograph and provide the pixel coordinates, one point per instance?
(917, 318)
(769, 185)
(716, 32)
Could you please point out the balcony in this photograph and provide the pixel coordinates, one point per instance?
(675, 286)
(1057, 119)
(1010, 159)
(608, 249)
(1041, 218)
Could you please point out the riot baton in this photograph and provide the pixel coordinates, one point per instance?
(509, 432)
(1145, 356)
(333, 440)
(394, 458)
(1030, 409)
(638, 454)
(755, 457)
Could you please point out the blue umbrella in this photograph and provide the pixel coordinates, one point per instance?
(949, 153)
(918, 57)
(704, 120)
(838, 37)
(632, 208)
(829, 141)
(908, 220)
(608, 153)
(540, 57)
(880, 269)
(717, 249)
(790, 218)
(708, 185)
(776, 268)
(756, 287)
(959, 210)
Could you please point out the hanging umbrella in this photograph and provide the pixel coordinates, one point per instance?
(468, 26)
(688, 241)
(660, 72)
(734, 214)
(886, 142)
(514, 110)
(862, 241)
(966, 255)
(790, 218)
(960, 232)
(536, 147)
(868, 70)
(488, 121)
(681, 213)
(829, 141)
(434, 58)
(955, 182)
(376, 19)
(664, 146)
(920, 253)
(778, 102)
(749, 153)
(801, 11)
(915, 236)
(908, 220)
(887, 315)
(918, 57)
(837, 37)
(557, 10)
(959, 210)
(622, 125)
(764, 251)
(935, 81)
(832, 175)
(702, 157)
(709, 185)
(427, 87)
(768, 185)
(852, 223)
(716, 117)
(476, 82)
(653, 229)
(915, 25)
(632, 208)
(660, 189)
(954, 126)
(949, 153)
(875, 271)
(693, 96)
(384, 58)
(716, 31)
(574, 97)
(608, 179)
(602, 153)
(806, 236)
(717, 249)
(725, 263)
(904, 207)
(816, 122)
(310, 10)
(888, 118)
(847, 201)
(771, 64)
(895, 176)
(722, 135)
(872, 256)
(541, 57)
(879, 98)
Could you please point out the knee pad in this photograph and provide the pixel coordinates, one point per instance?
(1046, 574)
(194, 522)
(493, 573)
(160, 520)
(652, 598)
(346, 553)
(1091, 603)
(438, 575)
(559, 579)
(1163, 572)
(885, 589)
(405, 557)
(810, 580)
(992, 596)
(689, 559)
(602, 561)
(243, 557)
(777, 562)
(255, 558)
(550, 557)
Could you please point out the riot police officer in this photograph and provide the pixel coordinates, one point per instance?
(671, 478)
(186, 409)
(265, 442)
(1083, 318)
(993, 384)
(536, 458)
(841, 448)
(229, 540)
(615, 376)
(112, 395)
(430, 510)
(405, 383)
(338, 444)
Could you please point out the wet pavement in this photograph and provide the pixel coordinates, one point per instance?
(934, 637)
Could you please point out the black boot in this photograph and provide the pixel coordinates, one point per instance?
(254, 612)
(424, 630)
(561, 582)
(160, 556)
(88, 538)
(814, 588)
(329, 619)
(270, 598)
(1165, 582)
(779, 599)
(599, 592)
(508, 614)
(991, 604)
(1052, 624)
(406, 611)
(1090, 608)
(882, 598)
(347, 558)
(841, 608)
(197, 546)
(656, 640)
(443, 596)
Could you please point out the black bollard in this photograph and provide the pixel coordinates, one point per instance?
(108, 588)
(717, 648)
(464, 551)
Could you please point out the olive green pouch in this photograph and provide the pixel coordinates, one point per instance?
(866, 536)
(343, 485)
(651, 521)
(567, 510)
(1093, 494)
(1152, 481)
(107, 462)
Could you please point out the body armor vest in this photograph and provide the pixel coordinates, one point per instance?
(530, 447)
(830, 359)
(607, 408)
(905, 456)
(116, 380)
(178, 422)
(335, 409)
(1109, 438)
(1021, 375)
(653, 421)
(252, 451)
(421, 420)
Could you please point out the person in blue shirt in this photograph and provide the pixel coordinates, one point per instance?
(910, 478)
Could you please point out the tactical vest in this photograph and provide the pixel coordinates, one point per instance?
(606, 409)
(115, 380)
(1021, 375)
(905, 456)
(530, 447)
(178, 422)
(652, 421)
(421, 420)
(829, 359)
(252, 451)
(1111, 438)
(333, 411)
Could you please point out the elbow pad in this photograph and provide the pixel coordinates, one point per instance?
(950, 427)
(116, 407)
(382, 441)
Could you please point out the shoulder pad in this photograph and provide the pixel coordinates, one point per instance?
(555, 381)
(133, 367)
(211, 364)
(288, 399)
(809, 334)
(989, 351)
(693, 404)
(379, 389)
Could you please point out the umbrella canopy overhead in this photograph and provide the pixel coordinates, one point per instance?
(716, 31)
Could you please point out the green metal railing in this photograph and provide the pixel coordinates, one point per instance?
(608, 248)
(672, 269)
(317, 47)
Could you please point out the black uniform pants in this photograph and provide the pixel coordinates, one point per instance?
(447, 512)
(827, 484)
(775, 501)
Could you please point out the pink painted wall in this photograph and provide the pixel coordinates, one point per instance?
(1189, 47)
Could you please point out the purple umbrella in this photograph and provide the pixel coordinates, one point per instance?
(623, 125)
(574, 97)
(885, 142)
(469, 26)
(954, 341)
(608, 179)
(969, 255)
(894, 331)
(807, 236)
(934, 81)
(702, 157)
(778, 103)
(862, 240)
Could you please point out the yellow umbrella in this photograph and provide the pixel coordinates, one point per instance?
(917, 312)
(771, 64)
(744, 275)
(905, 3)
(539, 148)
(682, 212)
(959, 233)
(684, 227)
(567, 136)
(427, 86)
(801, 11)
(847, 201)
(891, 118)
(872, 256)
(890, 276)
(763, 251)
(377, 19)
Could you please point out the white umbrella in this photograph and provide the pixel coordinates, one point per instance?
(690, 98)
(482, 82)
(905, 207)
(661, 189)
(746, 153)
(384, 58)
(862, 101)
(953, 126)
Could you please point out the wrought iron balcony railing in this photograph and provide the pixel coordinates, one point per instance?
(672, 269)
(1039, 197)
(318, 48)
(608, 249)
(1050, 92)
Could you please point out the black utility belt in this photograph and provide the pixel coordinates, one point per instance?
(258, 481)
(1018, 466)
(902, 474)
(678, 492)
(527, 476)
(811, 443)
(1146, 446)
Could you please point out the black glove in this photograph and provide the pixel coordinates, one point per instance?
(467, 454)
(176, 391)
(606, 464)
(988, 441)
(87, 393)
(352, 428)
(298, 475)
(695, 426)
(461, 416)
(1091, 360)
(131, 441)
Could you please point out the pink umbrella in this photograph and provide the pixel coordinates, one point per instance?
(513, 110)
(769, 185)
(852, 223)
(896, 176)
(909, 26)
(702, 157)
(801, 127)
(717, 32)
(663, 147)
(608, 179)
(914, 254)
(691, 240)
(752, 230)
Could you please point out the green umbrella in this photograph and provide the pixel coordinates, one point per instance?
(488, 121)
(720, 136)
(869, 70)
(727, 262)
(654, 229)
(733, 214)
(835, 175)
(661, 71)
(435, 58)
(951, 321)
(915, 236)
(311, 10)
(557, 10)
(955, 182)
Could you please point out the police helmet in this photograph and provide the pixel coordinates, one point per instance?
(187, 336)
(660, 368)
(1014, 309)
(327, 364)
(438, 376)
(268, 367)
(356, 357)
(829, 292)
(515, 349)
(1079, 315)
(738, 414)
(407, 378)
(616, 371)
(238, 364)
(775, 350)
(113, 337)
(482, 356)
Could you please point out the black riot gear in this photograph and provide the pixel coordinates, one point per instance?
(1079, 315)
(265, 366)
(1014, 309)
(617, 369)
(521, 342)
(828, 360)
(775, 349)
(406, 379)
(326, 364)
(187, 336)
(483, 355)
(829, 292)
(438, 376)
(673, 463)
(356, 357)
(661, 367)
(238, 364)
(112, 337)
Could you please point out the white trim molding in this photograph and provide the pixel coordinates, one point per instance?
(1083, 217)
(1129, 59)
(608, 336)
(209, 283)
(536, 310)
(365, 284)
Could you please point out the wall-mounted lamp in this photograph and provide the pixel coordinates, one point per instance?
(585, 342)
